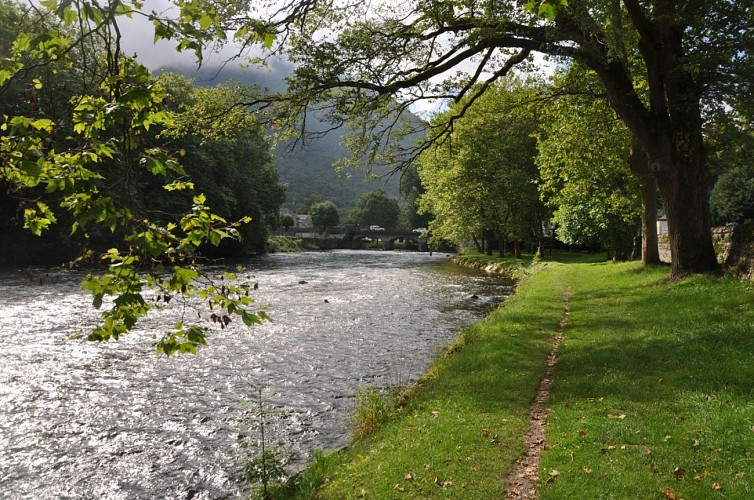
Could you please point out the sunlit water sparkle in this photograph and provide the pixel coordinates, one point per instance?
(81, 420)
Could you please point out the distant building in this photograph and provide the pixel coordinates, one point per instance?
(303, 222)
(662, 225)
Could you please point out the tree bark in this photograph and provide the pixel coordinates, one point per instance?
(671, 136)
(478, 245)
(668, 127)
(687, 210)
(487, 241)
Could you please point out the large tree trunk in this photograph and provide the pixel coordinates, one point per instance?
(650, 253)
(478, 245)
(687, 210)
(671, 135)
(669, 129)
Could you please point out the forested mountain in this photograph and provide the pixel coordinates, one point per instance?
(307, 170)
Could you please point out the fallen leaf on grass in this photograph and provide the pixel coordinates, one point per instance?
(717, 486)
(399, 487)
(587, 470)
(670, 494)
(620, 416)
(679, 471)
(409, 477)
(697, 478)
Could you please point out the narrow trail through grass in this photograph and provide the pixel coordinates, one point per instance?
(521, 481)
(652, 396)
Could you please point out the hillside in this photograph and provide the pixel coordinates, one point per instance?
(308, 170)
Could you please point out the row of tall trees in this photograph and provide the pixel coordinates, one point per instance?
(661, 66)
(481, 181)
(372, 208)
(533, 153)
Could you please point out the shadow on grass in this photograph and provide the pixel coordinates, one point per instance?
(654, 390)
(695, 335)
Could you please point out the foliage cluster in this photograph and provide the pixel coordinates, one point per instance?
(92, 143)
(583, 153)
(482, 180)
(375, 208)
(324, 215)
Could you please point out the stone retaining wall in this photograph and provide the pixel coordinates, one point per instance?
(734, 246)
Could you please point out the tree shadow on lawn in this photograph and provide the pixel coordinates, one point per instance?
(693, 336)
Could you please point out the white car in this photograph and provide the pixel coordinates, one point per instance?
(376, 228)
(419, 230)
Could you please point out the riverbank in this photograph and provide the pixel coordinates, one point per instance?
(653, 396)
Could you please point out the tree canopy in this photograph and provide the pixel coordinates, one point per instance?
(81, 145)
(583, 156)
(660, 63)
(481, 181)
(324, 215)
(376, 208)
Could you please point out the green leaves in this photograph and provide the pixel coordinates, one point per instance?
(183, 340)
(483, 178)
(547, 8)
(93, 164)
(38, 218)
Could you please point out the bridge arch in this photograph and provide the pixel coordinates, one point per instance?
(388, 238)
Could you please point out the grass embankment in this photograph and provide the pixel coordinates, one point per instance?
(286, 244)
(653, 396)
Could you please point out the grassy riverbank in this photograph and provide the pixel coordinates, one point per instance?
(653, 396)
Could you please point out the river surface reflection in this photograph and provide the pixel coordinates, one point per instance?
(114, 421)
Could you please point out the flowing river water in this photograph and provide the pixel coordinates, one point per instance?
(83, 420)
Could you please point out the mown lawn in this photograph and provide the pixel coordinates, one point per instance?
(653, 397)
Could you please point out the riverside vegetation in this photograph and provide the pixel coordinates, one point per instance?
(653, 395)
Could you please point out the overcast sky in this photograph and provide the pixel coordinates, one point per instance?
(138, 38)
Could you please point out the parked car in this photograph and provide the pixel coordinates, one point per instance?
(420, 230)
(376, 228)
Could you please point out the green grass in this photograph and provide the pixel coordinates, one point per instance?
(372, 410)
(655, 388)
(285, 244)
(654, 396)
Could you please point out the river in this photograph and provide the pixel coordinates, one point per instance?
(83, 420)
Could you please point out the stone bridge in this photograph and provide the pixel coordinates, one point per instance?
(388, 237)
